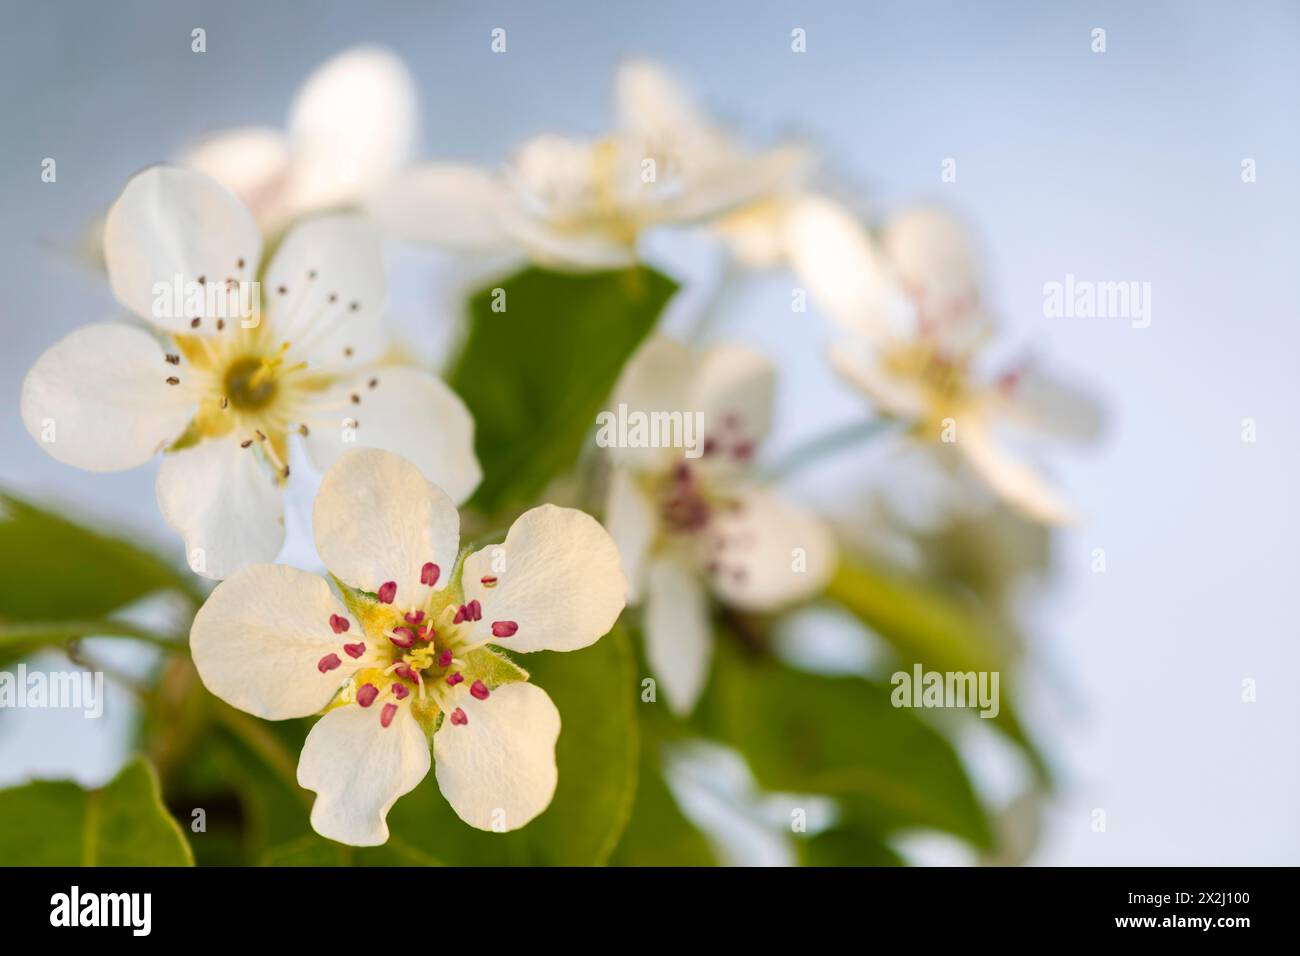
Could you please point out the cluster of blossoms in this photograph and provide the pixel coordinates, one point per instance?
(237, 358)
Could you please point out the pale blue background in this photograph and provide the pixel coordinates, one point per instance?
(1117, 166)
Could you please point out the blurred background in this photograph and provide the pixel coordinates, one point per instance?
(1115, 166)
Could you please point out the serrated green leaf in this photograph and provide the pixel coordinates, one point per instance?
(58, 823)
(536, 375)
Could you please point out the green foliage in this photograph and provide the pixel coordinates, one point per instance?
(535, 375)
(57, 823)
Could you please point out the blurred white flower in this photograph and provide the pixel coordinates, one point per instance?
(911, 301)
(353, 121)
(221, 387)
(687, 526)
(404, 659)
(583, 203)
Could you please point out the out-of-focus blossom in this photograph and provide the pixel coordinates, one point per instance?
(583, 203)
(405, 659)
(353, 121)
(911, 301)
(229, 367)
(687, 526)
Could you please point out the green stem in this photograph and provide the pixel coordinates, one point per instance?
(38, 633)
(827, 443)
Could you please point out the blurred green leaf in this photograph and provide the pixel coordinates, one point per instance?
(929, 627)
(57, 823)
(846, 846)
(535, 375)
(596, 692)
(840, 737)
(315, 850)
(658, 834)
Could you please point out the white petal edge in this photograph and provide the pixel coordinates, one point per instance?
(377, 519)
(1016, 482)
(734, 388)
(656, 378)
(252, 162)
(892, 394)
(678, 635)
(632, 522)
(101, 395)
(225, 503)
(260, 635)
(448, 204)
(358, 768)
(498, 770)
(558, 578)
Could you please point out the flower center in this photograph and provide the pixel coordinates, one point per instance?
(250, 382)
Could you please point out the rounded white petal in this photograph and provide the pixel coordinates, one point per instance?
(678, 635)
(558, 578)
(892, 394)
(1053, 407)
(656, 378)
(377, 519)
(325, 292)
(172, 222)
(834, 257)
(355, 118)
(498, 770)
(1017, 483)
(767, 553)
(734, 388)
(632, 522)
(260, 635)
(448, 204)
(223, 500)
(411, 413)
(358, 768)
(653, 102)
(252, 162)
(932, 256)
(99, 399)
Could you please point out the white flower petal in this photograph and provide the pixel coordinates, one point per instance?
(654, 103)
(834, 257)
(932, 257)
(892, 394)
(411, 413)
(767, 553)
(656, 378)
(558, 579)
(1051, 406)
(498, 770)
(1017, 483)
(358, 768)
(260, 635)
(632, 522)
(734, 387)
(101, 395)
(355, 118)
(448, 204)
(172, 222)
(678, 636)
(325, 292)
(377, 519)
(252, 162)
(225, 503)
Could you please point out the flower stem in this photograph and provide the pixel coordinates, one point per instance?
(825, 444)
(39, 633)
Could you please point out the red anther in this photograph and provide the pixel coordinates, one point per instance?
(404, 672)
(340, 624)
(354, 650)
(401, 691)
(488, 581)
(455, 678)
(504, 628)
(328, 663)
(413, 617)
(479, 690)
(366, 694)
(458, 717)
(387, 714)
(744, 451)
(387, 591)
(461, 613)
(474, 610)
(429, 574)
(444, 659)
(403, 637)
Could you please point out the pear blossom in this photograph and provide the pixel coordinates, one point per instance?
(404, 660)
(911, 301)
(583, 203)
(690, 527)
(353, 121)
(221, 383)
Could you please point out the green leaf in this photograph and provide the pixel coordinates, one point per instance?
(931, 628)
(658, 833)
(536, 375)
(315, 850)
(595, 690)
(846, 846)
(57, 823)
(841, 737)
